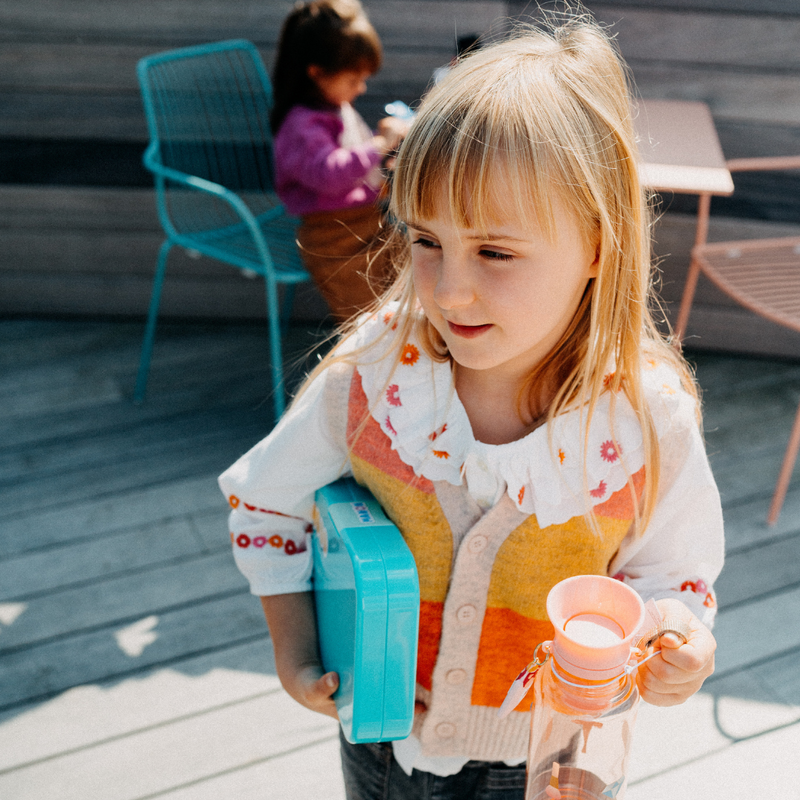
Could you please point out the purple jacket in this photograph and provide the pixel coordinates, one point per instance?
(325, 161)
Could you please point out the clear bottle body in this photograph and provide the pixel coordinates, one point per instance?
(587, 728)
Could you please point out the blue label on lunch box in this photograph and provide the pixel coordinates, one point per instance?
(363, 513)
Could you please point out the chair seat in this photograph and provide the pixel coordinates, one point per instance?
(761, 274)
(235, 245)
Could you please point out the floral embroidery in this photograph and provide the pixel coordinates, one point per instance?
(700, 587)
(561, 456)
(667, 389)
(607, 379)
(390, 427)
(650, 363)
(599, 491)
(410, 355)
(393, 395)
(289, 546)
(388, 317)
(436, 434)
(609, 451)
(520, 496)
(233, 500)
(441, 454)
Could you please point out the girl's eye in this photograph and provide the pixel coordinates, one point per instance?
(428, 244)
(494, 255)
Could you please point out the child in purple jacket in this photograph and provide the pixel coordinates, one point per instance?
(328, 162)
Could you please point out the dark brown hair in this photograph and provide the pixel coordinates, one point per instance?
(332, 34)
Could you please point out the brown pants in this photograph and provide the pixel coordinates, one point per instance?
(342, 252)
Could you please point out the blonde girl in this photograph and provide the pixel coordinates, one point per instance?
(511, 405)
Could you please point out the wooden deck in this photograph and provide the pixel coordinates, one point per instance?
(135, 665)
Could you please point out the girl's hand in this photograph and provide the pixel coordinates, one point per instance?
(391, 131)
(681, 668)
(293, 628)
(314, 690)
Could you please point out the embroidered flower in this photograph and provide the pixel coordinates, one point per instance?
(441, 454)
(599, 491)
(276, 541)
(243, 540)
(436, 434)
(390, 427)
(410, 355)
(387, 317)
(609, 451)
(667, 389)
(393, 395)
(234, 501)
(260, 541)
(520, 496)
(291, 548)
(650, 363)
(561, 456)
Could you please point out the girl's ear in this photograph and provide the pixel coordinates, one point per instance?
(594, 269)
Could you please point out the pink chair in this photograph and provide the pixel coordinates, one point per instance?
(763, 275)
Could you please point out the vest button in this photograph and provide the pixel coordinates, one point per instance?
(466, 613)
(445, 730)
(477, 544)
(456, 676)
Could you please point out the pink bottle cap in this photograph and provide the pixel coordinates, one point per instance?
(596, 620)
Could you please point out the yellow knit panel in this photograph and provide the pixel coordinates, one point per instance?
(425, 528)
(547, 556)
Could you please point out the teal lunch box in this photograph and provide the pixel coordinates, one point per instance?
(366, 593)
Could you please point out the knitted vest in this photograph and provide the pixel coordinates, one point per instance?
(484, 579)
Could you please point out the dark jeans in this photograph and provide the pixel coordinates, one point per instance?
(371, 773)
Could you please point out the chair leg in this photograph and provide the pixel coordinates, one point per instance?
(150, 328)
(786, 471)
(686, 301)
(276, 351)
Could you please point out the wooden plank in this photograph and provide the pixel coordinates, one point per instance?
(62, 523)
(212, 744)
(763, 621)
(761, 569)
(748, 41)
(203, 626)
(120, 599)
(103, 557)
(92, 714)
(272, 779)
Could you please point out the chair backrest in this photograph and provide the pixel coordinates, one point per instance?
(207, 108)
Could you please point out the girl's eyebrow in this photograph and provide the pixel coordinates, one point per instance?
(484, 237)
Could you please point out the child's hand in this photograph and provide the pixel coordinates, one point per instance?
(391, 131)
(293, 627)
(679, 671)
(313, 689)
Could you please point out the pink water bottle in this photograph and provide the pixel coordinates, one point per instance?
(585, 696)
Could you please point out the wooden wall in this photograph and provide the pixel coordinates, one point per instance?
(79, 236)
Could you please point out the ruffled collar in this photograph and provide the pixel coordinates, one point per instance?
(416, 405)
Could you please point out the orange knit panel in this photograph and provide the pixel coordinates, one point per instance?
(430, 634)
(620, 504)
(507, 643)
(373, 445)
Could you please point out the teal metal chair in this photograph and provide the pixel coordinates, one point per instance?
(210, 151)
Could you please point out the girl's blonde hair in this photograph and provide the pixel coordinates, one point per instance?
(547, 114)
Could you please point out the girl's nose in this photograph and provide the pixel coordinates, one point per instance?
(453, 287)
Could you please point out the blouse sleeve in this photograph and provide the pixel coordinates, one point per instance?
(681, 552)
(271, 491)
(311, 153)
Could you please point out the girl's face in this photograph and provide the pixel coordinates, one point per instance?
(502, 298)
(341, 87)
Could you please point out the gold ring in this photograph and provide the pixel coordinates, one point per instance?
(679, 627)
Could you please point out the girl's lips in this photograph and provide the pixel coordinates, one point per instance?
(468, 331)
